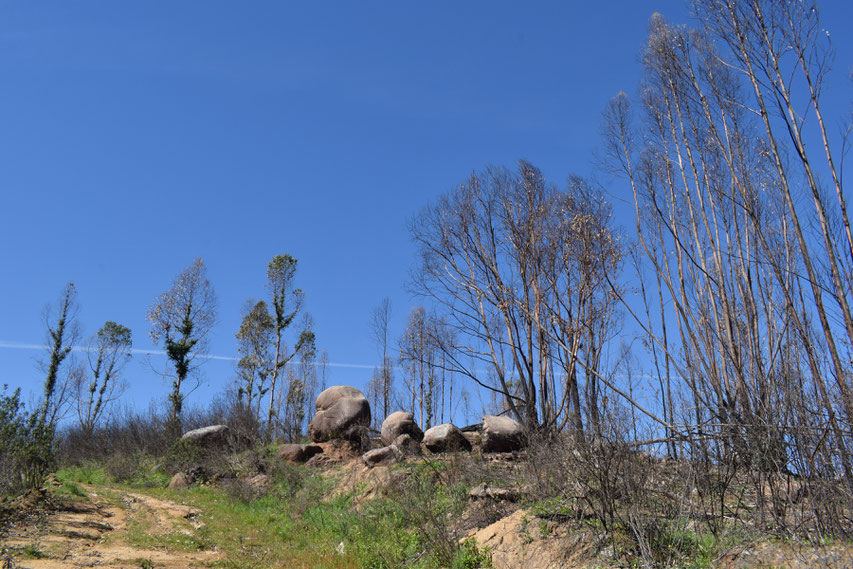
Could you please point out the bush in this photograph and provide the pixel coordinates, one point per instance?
(26, 446)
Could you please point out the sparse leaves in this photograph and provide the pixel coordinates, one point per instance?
(182, 317)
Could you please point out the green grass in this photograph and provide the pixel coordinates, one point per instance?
(300, 523)
(32, 551)
(86, 474)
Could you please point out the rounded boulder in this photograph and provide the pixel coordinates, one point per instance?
(502, 434)
(400, 423)
(445, 437)
(342, 413)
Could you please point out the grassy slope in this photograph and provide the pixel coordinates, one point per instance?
(301, 522)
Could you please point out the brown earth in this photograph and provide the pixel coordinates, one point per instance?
(116, 529)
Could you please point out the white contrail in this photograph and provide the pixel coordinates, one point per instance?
(5, 344)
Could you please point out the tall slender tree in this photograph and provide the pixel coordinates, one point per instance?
(182, 317)
(384, 376)
(63, 333)
(108, 353)
(255, 339)
(287, 302)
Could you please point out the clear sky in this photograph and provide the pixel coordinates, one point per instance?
(135, 137)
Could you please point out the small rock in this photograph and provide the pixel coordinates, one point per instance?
(407, 445)
(484, 491)
(180, 481)
(380, 455)
(260, 482)
(298, 453)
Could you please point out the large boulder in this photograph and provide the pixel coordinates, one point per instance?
(298, 453)
(445, 437)
(502, 434)
(400, 423)
(208, 437)
(342, 413)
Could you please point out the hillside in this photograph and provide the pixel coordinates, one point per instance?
(463, 510)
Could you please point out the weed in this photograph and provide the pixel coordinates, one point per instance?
(85, 474)
(72, 489)
(469, 556)
(32, 551)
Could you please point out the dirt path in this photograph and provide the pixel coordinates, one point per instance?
(118, 529)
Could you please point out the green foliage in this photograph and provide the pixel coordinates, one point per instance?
(62, 334)
(470, 556)
(85, 474)
(553, 506)
(676, 545)
(182, 454)
(70, 489)
(302, 522)
(26, 446)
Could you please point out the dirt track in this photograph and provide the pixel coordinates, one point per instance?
(123, 530)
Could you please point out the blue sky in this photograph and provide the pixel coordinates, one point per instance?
(137, 137)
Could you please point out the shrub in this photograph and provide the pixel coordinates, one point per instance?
(26, 446)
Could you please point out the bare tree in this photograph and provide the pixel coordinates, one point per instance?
(750, 253)
(255, 340)
(385, 374)
(108, 352)
(419, 356)
(301, 384)
(323, 371)
(520, 270)
(182, 317)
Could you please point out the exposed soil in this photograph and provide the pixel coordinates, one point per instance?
(104, 531)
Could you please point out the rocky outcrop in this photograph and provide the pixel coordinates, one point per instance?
(400, 423)
(298, 453)
(515, 542)
(445, 438)
(502, 434)
(342, 413)
(259, 482)
(486, 492)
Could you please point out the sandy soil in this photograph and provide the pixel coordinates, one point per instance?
(99, 532)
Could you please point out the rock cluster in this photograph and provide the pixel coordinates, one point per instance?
(341, 423)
